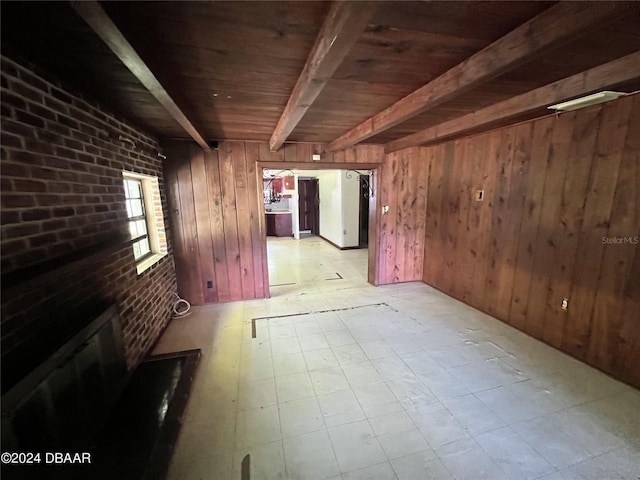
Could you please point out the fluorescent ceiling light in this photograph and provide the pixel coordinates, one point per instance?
(582, 102)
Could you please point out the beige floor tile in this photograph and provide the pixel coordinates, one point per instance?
(356, 446)
(328, 380)
(319, 359)
(382, 471)
(340, 407)
(423, 465)
(294, 387)
(310, 456)
(399, 444)
(465, 459)
(300, 416)
(289, 364)
(257, 427)
(513, 455)
(257, 394)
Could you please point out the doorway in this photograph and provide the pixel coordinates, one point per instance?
(334, 191)
(309, 206)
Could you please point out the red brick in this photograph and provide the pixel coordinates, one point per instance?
(20, 129)
(68, 121)
(81, 137)
(17, 201)
(71, 199)
(6, 185)
(49, 137)
(37, 172)
(60, 95)
(46, 200)
(10, 141)
(81, 189)
(19, 231)
(9, 98)
(55, 162)
(9, 216)
(65, 153)
(54, 225)
(35, 214)
(74, 144)
(84, 209)
(29, 119)
(55, 104)
(55, 127)
(38, 146)
(58, 187)
(41, 112)
(64, 212)
(28, 92)
(29, 186)
(89, 130)
(68, 177)
(13, 247)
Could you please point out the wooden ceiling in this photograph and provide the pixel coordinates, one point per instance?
(324, 72)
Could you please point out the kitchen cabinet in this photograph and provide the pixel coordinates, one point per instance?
(278, 224)
(289, 182)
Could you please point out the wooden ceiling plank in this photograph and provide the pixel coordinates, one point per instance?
(559, 24)
(343, 26)
(605, 76)
(101, 24)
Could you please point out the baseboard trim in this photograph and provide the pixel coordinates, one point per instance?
(339, 248)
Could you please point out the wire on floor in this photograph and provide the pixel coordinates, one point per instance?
(181, 311)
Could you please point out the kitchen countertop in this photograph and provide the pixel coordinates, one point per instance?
(278, 212)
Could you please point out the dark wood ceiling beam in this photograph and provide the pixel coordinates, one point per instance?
(558, 24)
(100, 22)
(341, 29)
(608, 75)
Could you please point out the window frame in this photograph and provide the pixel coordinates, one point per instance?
(143, 216)
(153, 216)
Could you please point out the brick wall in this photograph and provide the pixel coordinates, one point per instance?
(63, 221)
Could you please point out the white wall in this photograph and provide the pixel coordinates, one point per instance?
(295, 220)
(350, 209)
(330, 206)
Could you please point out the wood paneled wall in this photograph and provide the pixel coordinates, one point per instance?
(216, 222)
(401, 231)
(217, 215)
(560, 219)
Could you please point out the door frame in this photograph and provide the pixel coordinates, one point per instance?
(315, 228)
(374, 234)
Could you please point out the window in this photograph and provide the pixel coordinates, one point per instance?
(137, 218)
(145, 218)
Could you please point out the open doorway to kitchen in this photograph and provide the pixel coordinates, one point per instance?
(327, 244)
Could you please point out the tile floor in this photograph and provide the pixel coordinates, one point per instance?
(395, 382)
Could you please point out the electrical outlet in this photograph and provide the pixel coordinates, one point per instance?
(209, 284)
(385, 209)
(565, 303)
